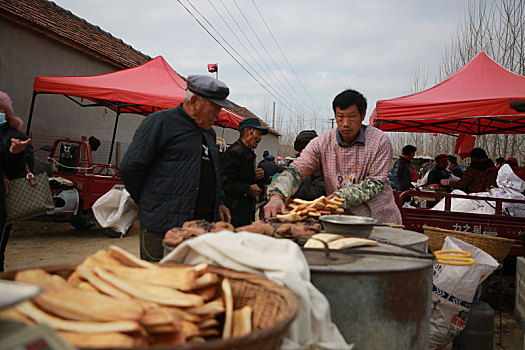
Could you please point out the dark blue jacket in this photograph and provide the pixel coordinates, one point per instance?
(161, 168)
(401, 174)
(237, 174)
(270, 169)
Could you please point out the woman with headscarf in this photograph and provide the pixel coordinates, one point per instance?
(472, 178)
(15, 152)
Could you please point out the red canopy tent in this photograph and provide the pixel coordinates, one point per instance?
(140, 90)
(475, 100)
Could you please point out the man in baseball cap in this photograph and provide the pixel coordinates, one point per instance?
(170, 168)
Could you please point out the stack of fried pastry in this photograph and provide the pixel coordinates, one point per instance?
(114, 299)
(302, 210)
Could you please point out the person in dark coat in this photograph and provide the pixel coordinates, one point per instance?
(171, 168)
(401, 173)
(472, 179)
(439, 171)
(312, 187)
(454, 167)
(16, 152)
(269, 167)
(265, 154)
(239, 175)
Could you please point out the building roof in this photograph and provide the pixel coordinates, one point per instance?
(52, 20)
(60, 24)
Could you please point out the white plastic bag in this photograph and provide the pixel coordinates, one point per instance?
(453, 289)
(507, 179)
(115, 209)
(467, 205)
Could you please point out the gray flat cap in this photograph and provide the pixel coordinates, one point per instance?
(212, 89)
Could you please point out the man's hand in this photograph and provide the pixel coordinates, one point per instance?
(275, 205)
(259, 173)
(18, 146)
(224, 213)
(255, 190)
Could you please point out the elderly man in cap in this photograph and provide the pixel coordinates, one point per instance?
(354, 159)
(171, 168)
(239, 175)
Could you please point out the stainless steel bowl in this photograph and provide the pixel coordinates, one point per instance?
(348, 225)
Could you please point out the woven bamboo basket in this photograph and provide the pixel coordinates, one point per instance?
(274, 308)
(497, 247)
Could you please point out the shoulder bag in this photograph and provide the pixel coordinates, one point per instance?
(27, 197)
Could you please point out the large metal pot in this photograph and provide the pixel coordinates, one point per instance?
(379, 296)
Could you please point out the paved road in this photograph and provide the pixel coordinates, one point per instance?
(36, 244)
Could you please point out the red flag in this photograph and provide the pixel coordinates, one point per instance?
(213, 67)
(464, 144)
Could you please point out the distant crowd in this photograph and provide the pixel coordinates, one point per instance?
(444, 173)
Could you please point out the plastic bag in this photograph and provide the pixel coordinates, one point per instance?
(453, 289)
(115, 209)
(468, 205)
(507, 179)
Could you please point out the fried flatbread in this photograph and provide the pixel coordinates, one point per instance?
(150, 292)
(228, 308)
(184, 279)
(85, 270)
(213, 307)
(350, 242)
(129, 259)
(39, 316)
(207, 293)
(242, 321)
(325, 237)
(103, 340)
(71, 302)
(206, 280)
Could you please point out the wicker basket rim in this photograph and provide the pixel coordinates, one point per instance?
(231, 343)
(476, 235)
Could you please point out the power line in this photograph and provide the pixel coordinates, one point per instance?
(292, 102)
(267, 53)
(273, 37)
(228, 52)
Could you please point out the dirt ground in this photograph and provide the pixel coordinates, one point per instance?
(37, 244)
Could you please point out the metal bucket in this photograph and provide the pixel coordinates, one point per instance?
(377, 301)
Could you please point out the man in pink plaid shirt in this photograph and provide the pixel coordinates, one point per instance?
(354, 159)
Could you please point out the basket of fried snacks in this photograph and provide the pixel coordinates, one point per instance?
(303, 210)
(115, 300)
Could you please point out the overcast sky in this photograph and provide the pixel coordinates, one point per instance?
(330, 45)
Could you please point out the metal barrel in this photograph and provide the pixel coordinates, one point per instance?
(378, 301)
